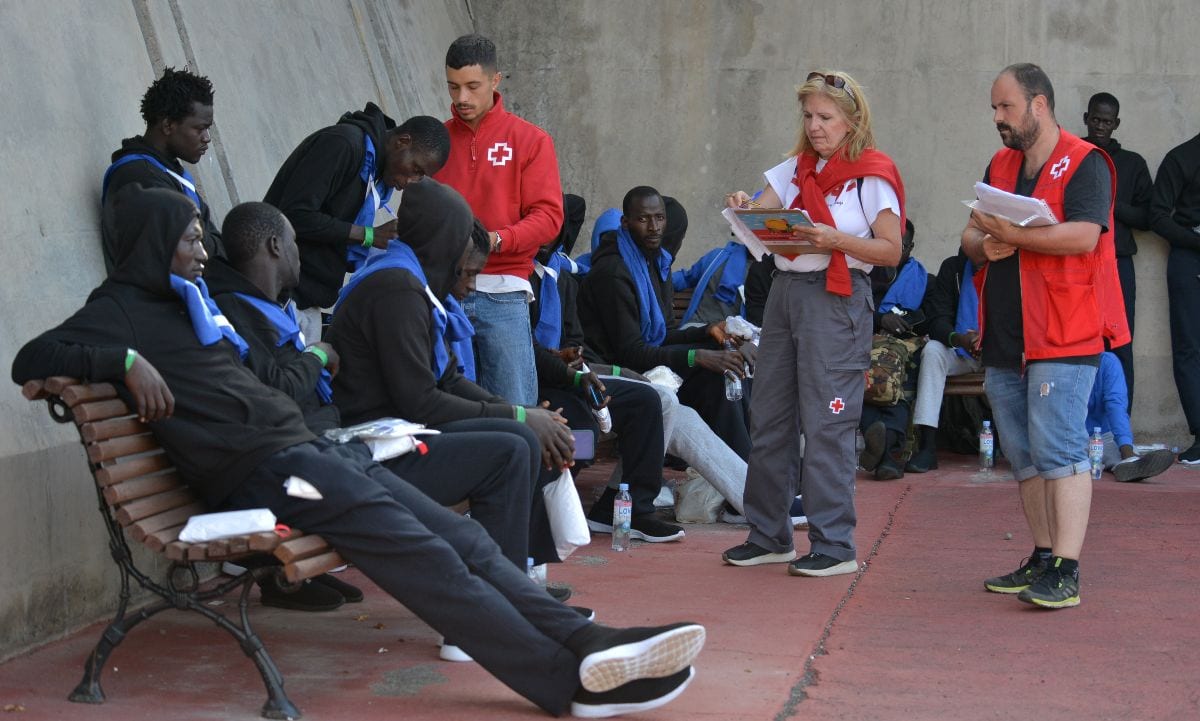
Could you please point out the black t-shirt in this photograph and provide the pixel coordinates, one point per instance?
(1086, 199)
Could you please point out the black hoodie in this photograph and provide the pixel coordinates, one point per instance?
(319, 190)
(1134, 187)
(226, 422)
(383, 329)
(148, 176)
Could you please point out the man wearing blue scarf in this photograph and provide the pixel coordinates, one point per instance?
(332, 187)
(952, 311)
(716, 281)
(899, 293)
(235, 441)
(626, 313)
(178, 110)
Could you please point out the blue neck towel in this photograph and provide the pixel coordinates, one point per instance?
(548, 332)
(732, 261)
(208, 323)
(187, 184)
(654, 327)
(908, 289)
(608, 220)
(377, 196)
(399, 256)
(967, 317)
(459, 332)
(288, 329)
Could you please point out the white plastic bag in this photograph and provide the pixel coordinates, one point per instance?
(568, 525)
(696, 500)
(665, 377)
(736, 325)
(386, 437)
(211, 526)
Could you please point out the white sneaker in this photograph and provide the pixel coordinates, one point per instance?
(665, 498)
(452, 653)
(232, 569)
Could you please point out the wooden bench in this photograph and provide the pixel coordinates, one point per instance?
(141, 495)
(967, 384)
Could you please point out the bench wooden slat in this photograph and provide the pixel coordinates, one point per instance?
(312, 566)
(34, 390)
(132, 468)
(120, 447)
(112, 428)
(173, 517)
(141, 487)
(57, 384)
(158, 540)
(152, 505)
(86, 393)
(268, 540)
(176, 550)
(294, 549)
(967, 384)
(99, 411)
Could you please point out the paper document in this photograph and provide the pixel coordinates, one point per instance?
(764, 230)
(1017, 209)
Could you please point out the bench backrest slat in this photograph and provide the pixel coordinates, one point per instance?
(173, 517)
(113, 448)
(113, 428)
(131, 468)
(99, 411)
(140, 487)
(152, 505)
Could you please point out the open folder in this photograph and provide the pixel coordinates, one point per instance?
(1017, 209)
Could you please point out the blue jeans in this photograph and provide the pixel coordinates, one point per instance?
(1040, 417)
(504, 345)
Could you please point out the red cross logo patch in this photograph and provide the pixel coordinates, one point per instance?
(836, 405)
(1057, 170)
(499, 154)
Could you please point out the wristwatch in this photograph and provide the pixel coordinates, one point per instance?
(496, 245)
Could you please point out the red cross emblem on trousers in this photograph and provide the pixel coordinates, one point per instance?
(836, 405)
(499, 154)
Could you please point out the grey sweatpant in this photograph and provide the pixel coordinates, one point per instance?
(808, 380)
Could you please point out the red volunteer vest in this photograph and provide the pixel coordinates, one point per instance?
(1070, 304)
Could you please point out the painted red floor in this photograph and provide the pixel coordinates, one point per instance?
(913, 636)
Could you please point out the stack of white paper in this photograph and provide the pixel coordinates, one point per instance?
(1017, 209)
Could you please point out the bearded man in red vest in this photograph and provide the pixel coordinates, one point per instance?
(1049, 300)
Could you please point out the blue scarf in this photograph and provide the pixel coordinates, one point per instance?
(735, 258)
(967, 317)
(399, 256)
(908, 289)
(207, 321)
(548, 332)
(459, 332)
(356, 255)
(654, 327)
(608, 220)
(288, 328)
(187, 184)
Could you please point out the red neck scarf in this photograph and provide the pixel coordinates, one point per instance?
(815, 186)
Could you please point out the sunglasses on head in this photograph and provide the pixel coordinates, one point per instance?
(832, 81)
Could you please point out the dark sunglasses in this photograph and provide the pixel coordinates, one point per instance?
(832, 81)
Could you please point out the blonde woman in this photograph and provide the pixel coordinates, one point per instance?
(816, 339)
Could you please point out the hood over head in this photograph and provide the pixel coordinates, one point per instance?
(436, 222)
(374, 122)
(149, 223)
(677, 225)
(574, 208)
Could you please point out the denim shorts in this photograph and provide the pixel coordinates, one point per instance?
(1040, 417)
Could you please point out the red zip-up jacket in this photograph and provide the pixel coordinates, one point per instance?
(508, 172)
(1070, 304)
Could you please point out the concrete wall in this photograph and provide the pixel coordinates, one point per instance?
(73, 75)
(696, 98)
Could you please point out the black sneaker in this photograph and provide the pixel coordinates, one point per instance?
(651, 530)
(612, 657)
(752, 554)
(819, 565)
(633, 697)
(922, 461)
(309, 596)
(875, 438)
(1053, 589)
(1139, 468)
(1191, 456)
(560, 593)
(1030, 571)
(352, 594)
(888, 469)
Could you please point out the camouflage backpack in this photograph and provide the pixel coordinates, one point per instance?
(888, 371)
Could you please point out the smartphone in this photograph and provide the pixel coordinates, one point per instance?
(585, 444)
(594, 395)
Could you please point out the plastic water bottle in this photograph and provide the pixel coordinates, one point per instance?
(603, 417)
(622, 518)
(987, 446)
(537, 574)
(1096, 453)
(733, 382)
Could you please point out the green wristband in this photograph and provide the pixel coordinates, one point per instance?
(519, 413)
(320, 354)
(950, 340)
(692, 358)
(368, 237)
(578, 378)
(130, 357)
(616, 370)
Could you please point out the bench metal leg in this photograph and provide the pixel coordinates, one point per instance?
(89, 690)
